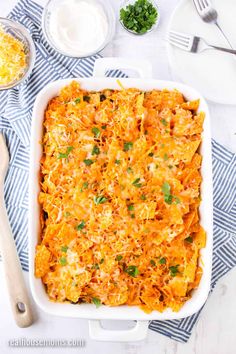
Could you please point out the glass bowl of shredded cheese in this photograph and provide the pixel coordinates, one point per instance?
(17, 53)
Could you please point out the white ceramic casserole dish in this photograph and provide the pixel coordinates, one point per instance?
(88, 311)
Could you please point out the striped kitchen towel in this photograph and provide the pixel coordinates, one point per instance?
(15, 120)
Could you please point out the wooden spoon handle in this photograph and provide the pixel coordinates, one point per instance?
(18, 295)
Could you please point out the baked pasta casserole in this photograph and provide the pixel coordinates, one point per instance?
(120, 193)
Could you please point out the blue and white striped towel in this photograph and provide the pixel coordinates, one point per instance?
(15, 119)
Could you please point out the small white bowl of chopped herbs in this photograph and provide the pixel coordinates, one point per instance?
(139, 16)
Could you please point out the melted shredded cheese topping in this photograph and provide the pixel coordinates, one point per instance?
(12, 58)
(120, 197)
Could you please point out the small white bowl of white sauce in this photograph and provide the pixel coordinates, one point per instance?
(78, 28)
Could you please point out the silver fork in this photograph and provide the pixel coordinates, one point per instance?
(192, 43)
(209, 14)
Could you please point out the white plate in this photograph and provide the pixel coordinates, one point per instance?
(212, 72)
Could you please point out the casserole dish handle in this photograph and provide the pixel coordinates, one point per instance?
(142, 67)
(138, 332)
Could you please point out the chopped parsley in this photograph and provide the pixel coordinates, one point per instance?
(102, 261)
(132, 271)
(128, 146)
(96, 150)
(81, 226)
(132, 216)
(143, 197)
(88, 162)
(66, 154)
(77, 100)
(130, 207)
(63, 261)
(174, 270)
(139, 17)
(104, 127)
(64, 248)
(96, 132)
(118, 258)
(117, 162)
(100, 200)
(96, 302)
(137, 183)
(162, 260)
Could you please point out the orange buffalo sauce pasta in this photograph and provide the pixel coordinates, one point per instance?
(120, 197)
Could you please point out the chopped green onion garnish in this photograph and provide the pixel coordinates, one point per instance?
(96, 301)
(88, 162)
(174, 270)
(189, 239)
(132, 271)
(164, 122)
(136, 183)
(118, 258)
(77, 100)
(65, 155)
(152, 262)
(81, 226)
(84, 186)
(95, 266)
(129, 170)
(96, 132)
(165, 157)
(162, 260)
(96, 150)
(128, 146)
(64, 248)
(63, 261)
(100, 200)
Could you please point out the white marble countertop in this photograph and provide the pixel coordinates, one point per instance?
(215, 330)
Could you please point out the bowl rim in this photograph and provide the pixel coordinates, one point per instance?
(111, 23)
(26, 34)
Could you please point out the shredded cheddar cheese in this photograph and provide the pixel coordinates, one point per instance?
(120, 193)
(12, 58)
